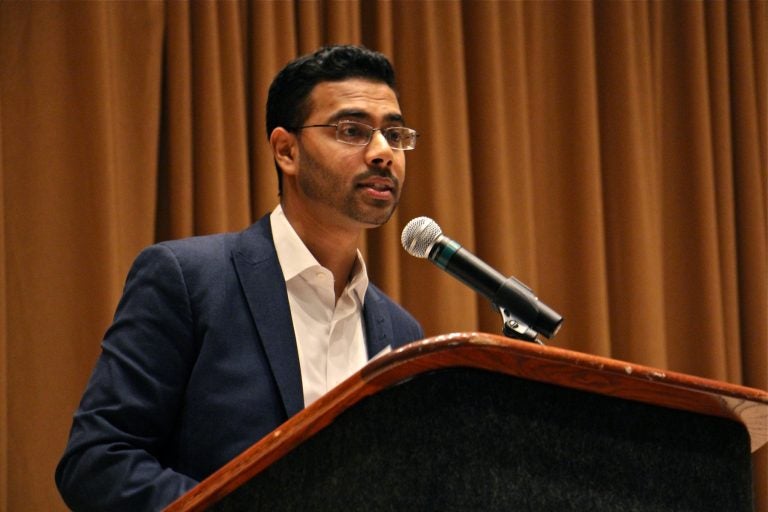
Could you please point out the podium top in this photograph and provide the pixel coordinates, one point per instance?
(560, 367)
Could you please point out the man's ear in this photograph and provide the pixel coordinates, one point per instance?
(285, 149)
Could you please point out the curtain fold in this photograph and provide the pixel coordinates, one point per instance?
(611, 155)
(78, 176)
(205, 172)
(499, 109)
(4, 459)
(749, 72)
(271, 42)
(630, 181)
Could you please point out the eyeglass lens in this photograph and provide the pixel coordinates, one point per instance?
(398, 137)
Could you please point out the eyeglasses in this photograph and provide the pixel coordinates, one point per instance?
(360, 134)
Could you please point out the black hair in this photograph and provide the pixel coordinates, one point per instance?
(288, 102)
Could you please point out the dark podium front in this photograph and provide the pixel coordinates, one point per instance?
(475, 421)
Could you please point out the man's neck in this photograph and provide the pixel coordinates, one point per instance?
(334, 248)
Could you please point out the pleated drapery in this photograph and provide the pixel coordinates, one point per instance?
(612, 155)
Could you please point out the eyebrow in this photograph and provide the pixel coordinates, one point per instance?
(365, 116)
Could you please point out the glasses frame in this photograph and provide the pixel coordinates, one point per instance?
(413, 133)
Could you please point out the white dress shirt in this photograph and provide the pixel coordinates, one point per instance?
(329, 334)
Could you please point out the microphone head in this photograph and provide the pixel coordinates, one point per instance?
(419, 235)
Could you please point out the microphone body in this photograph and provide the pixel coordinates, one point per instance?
(424, 239)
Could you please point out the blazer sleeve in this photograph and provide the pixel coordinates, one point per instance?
(122, 430)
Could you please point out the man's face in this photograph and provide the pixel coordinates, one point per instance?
(353, 185)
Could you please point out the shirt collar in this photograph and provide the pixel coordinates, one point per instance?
(295, 258)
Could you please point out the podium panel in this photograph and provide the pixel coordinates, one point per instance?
(477, 422)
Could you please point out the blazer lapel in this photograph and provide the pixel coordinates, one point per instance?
(264, 286)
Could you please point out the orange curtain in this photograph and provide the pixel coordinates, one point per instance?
(612, 155)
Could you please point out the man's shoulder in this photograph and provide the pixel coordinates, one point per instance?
(200, 243)
(390, 315)
(208, 250)
(218, 243)
(375, 295)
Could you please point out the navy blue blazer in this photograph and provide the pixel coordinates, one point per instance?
(199, 364)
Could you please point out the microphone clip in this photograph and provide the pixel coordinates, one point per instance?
(515, 329)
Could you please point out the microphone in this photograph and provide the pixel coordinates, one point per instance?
(423, 238)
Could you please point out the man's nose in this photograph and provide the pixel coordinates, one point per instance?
(379, 151)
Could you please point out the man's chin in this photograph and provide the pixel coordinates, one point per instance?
(375, 217)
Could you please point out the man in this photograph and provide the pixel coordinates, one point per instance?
(218, 340)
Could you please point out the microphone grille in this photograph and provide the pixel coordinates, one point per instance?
(419, 235)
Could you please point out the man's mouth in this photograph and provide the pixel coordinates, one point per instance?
(379, 188)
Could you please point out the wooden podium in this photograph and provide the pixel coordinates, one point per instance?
(474, 421)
